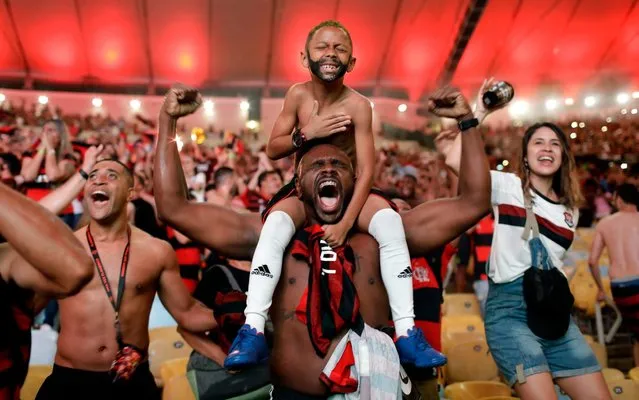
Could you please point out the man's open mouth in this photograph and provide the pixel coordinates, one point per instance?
(328, 193)
(99, 197)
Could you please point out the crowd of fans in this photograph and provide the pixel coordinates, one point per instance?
(230, 169)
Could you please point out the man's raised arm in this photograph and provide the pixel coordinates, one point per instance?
(230, 233)
(42, 254)
(436, 223)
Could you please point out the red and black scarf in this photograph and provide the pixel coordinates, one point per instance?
(330, 303)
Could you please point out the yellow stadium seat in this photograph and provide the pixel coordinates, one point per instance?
(589, 339)
(450, 338)
(172, 368)
(452, 324)
(163, 350)
(624, 390)
(601, 353)
(461, 303)
(470, 361)
(612, 375)
(583, 239)
(584, 289)
(474, 390)
(165, 332)
(634, 374)
(178, 388)
(35, 378)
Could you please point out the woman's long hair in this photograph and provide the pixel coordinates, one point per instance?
(65, 147)
(564, 182)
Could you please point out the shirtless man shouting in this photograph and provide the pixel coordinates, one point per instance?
(620, 234)
(294, 363)
(104, 328)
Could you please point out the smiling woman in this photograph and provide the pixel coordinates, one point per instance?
(542, 196)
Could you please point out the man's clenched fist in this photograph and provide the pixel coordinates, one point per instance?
(181, 100)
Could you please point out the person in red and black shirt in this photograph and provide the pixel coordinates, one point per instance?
(41, 259)
(268, 184)
(477, 243)
(223, 289)
(51, 164)
(429, 271)
(189, 256)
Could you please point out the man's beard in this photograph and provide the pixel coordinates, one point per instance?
(316, 69)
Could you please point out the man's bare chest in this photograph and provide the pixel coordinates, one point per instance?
(138, 277)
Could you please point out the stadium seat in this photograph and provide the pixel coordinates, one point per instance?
(470, 361)
(450, 338)
(623, 390)
(162, 350)
(583, 239)
(172, 368)
(584, 289)
(35, 378)
(601, 353)
(452, 324)
(589, 339)
(178, 388)
(612, 375)
(461, 303)
(165, 332)
(634, 374)
(475, 390)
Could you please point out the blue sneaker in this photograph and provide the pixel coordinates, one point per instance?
(249, 348)
(414, 349)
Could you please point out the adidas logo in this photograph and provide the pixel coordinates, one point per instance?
(262, 270)
(407, 273)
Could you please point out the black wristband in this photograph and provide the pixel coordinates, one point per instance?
(298, 138)
(83, 174)
(467, 124)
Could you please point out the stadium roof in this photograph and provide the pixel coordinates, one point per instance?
(403, 47)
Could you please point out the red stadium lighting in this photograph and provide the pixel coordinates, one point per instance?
(111, 56)
(186, 61)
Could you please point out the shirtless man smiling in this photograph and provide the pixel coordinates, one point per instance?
(89, 341)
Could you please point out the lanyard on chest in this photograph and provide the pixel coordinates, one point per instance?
(103, 277)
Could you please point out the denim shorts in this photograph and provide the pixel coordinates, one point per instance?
(518, 352)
